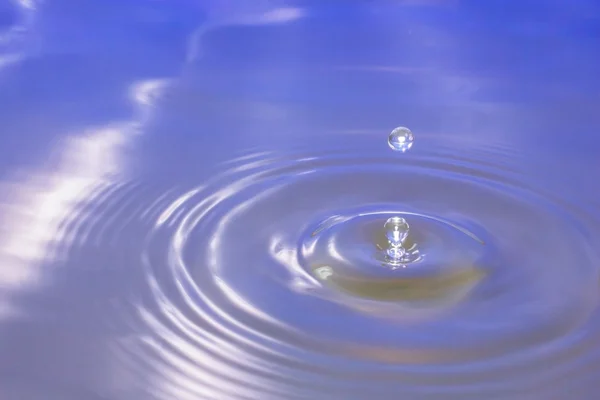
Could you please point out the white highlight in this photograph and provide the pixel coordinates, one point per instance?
(40, 211)
(280, 15)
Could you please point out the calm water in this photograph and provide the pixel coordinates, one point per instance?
(193, 197)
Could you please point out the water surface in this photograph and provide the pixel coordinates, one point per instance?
(193, 195)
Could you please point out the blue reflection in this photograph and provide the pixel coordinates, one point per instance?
(177, 177)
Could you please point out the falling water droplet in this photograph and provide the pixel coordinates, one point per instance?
(396, 231)
(401, 139)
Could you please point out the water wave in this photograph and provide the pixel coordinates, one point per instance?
(232, 305)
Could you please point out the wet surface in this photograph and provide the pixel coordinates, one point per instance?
(193, 198)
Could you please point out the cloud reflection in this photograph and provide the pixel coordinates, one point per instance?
(40, 212)
(256, 15)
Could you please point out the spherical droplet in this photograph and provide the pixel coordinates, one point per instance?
(396, 230)
(401, 139)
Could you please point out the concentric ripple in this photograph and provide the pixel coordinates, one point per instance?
(267, 282)
(350, 252)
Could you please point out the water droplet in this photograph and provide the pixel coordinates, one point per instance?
(401, 139)
(396, 230)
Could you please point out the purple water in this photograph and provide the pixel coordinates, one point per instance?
(193, 196)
